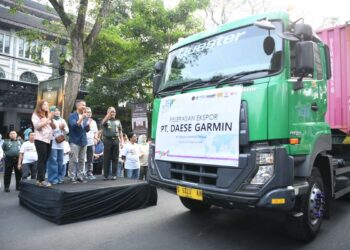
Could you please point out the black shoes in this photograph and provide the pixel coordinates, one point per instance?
(81, 180)
(7, 190)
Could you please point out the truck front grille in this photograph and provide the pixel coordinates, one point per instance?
(198, 174)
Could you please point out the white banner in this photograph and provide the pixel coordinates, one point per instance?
(200, 127)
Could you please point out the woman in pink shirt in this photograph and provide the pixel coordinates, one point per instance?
(43, 127)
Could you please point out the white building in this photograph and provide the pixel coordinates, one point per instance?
(19, 72)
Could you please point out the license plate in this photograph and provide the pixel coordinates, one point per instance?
(191, 193)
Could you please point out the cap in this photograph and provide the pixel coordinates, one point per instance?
(52, 108)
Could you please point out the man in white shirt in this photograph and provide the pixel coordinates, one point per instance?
(131, 156)
(91, 135)
(28, 158)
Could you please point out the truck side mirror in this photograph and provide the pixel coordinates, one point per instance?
(157, 75)
(305, 58)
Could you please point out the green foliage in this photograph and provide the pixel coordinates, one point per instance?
(132, 85)
(112, 54)
(18, 6)
(139, 32)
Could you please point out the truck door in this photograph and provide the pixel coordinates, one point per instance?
(307, 104)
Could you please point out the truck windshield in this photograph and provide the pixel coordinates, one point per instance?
(222, 55)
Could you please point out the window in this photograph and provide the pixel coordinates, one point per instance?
(28, 77)
(2, 73)
(53, 54)
(222, 55)
(20, 48)
(318, 63)
(30, 50)
(4, 43)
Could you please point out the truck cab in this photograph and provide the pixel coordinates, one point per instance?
(279, 157)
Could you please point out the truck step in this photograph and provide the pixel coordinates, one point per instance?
(341, 192)
(341, 182)
(342, 170)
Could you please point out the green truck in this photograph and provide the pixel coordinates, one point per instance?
(239, 122)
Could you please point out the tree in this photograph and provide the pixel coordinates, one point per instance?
(80, 42)
(123, 56)
(329, 22)
(221, 11)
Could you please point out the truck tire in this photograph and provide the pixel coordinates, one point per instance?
(194, 205)
(311, 205)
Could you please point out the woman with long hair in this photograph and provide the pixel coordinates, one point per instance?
(43, 128)
(55, 161)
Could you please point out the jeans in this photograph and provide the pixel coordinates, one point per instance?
(64, 171)
(29, 168)
(55, 166)
(120, 169)
(132, 173)
(43, 150)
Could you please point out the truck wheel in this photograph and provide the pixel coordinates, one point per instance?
(194, 205)
(312, 206)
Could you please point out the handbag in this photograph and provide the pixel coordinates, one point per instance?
(60, 138)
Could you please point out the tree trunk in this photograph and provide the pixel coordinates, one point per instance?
(74, 77)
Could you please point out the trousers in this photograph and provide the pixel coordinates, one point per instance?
(110, 153)
(10, 164)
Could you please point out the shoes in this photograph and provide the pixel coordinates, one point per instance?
(55, 183)
(81, 180)
(60, 181)
(91, 177)
(114, 178)
(43, 184)
(7, 190)
(105, 179)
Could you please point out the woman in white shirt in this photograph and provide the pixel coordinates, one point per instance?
(55, 171)
(131, 156)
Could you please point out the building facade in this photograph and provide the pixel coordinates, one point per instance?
(22, 64)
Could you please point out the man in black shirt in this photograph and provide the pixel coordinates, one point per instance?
(11, 149)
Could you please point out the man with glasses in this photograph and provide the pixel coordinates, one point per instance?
(112, 136)
(91, 135)
(78, 127)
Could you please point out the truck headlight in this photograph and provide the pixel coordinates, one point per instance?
(264, 174)
(265, 160)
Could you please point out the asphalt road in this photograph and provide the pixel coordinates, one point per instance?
(166, 226)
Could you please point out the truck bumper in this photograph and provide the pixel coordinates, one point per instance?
(280, 199)
(230, 187)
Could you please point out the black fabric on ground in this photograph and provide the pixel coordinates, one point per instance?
(67, 203)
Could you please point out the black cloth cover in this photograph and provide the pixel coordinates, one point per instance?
(66, 203)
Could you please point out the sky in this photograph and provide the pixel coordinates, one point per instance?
(313, 11)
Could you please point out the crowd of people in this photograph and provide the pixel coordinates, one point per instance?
(54, 149)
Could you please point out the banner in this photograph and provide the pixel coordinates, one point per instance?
(200, 127)
(52, 92)
(139, 119)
